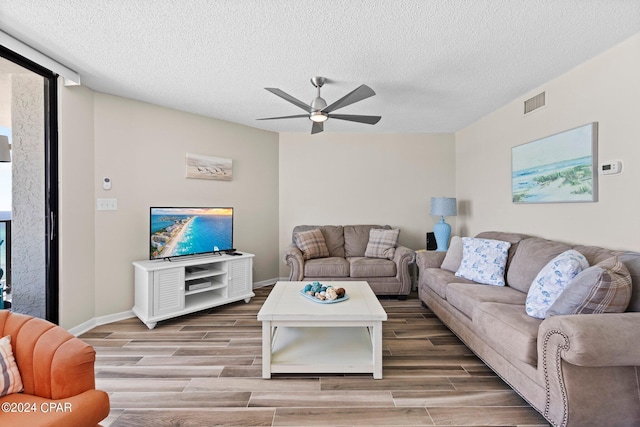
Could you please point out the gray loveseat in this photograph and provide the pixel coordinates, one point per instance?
(576, 370)
(346, 260)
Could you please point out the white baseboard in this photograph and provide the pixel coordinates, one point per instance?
(110, 318)
(102, 320)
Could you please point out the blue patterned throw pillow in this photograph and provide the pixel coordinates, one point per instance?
(551, 281)
(483, 260)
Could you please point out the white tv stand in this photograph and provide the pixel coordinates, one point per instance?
(171, 288)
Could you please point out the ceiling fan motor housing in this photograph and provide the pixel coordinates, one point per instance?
(318, 104)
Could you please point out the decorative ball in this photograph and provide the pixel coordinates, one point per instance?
(307, 288)
(340, 292)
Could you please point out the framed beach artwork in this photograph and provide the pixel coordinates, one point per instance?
(208, 167)
(560, 168)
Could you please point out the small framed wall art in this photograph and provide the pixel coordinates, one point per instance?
(560, 168)
(208, 167)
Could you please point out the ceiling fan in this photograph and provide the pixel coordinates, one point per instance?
(319, 112)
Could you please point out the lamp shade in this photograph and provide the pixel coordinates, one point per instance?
(444, 206)
(5, 149)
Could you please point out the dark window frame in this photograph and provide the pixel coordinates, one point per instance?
(52, 290)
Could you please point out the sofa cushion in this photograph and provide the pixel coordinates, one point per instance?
(10, 380)
(382, 243)
(483, 260)
(372, 267)
(333, 237)
(465, 296)
(532, 255)
(438, 279)
(356, 238)
(312, 244)
(327, 267)
(509, 330)
(453, 257)
(595, 254)
(551, 281)
(603, 288)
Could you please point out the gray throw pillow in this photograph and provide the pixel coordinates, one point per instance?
(453, 257)
(382, 243)
(602, 288)
(311, 243)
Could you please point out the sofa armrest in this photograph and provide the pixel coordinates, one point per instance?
(582, 356)
(594, 340)
(48, 356)
(402, 257)
(292, 257)
(429, 259)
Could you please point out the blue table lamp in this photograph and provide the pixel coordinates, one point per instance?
(443, 206)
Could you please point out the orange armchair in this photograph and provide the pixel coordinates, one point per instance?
(57, 374)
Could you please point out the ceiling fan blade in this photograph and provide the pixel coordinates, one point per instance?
(317, 127)
(358, 94)
(285, 117)
(370, 120)
(291, 99)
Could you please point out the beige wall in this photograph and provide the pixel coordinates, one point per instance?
(364, 179)
(605, 89)
(76, 205)
(142, 148)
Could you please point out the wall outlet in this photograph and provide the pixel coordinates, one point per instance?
(107, 204)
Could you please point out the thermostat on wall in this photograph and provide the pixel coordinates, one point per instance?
(611, 167)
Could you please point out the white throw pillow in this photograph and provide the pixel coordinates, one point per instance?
(483, 260)
(551, 281)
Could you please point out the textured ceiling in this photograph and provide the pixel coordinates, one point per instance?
(436, 66)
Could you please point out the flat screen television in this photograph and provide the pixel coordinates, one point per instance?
(186, 231)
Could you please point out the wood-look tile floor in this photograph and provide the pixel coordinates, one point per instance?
(205, 369)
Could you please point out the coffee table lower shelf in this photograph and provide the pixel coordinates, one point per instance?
(321, 350)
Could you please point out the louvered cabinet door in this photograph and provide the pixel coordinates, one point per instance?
(240, 277)
(168, 291)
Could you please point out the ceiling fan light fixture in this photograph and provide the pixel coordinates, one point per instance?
(318, 117)
(319, 112)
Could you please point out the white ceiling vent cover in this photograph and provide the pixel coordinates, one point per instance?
(534, 103)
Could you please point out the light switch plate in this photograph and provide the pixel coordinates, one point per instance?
(107, 204)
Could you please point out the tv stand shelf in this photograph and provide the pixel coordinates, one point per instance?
(169, 288)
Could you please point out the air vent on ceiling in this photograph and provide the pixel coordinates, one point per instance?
(534, 103)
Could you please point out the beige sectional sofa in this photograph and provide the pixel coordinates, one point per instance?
(346, 260)
(576, 370)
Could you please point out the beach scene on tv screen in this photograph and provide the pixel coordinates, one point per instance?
(189, 231)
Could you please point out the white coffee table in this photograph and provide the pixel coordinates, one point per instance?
(303, 336)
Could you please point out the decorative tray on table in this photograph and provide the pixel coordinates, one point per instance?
(317, 292)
